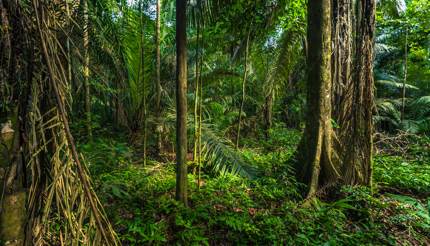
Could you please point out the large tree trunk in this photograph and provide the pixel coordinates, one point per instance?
(352, 76)
(317, 166)
(341, 56)
(181, 101)
(358, 128)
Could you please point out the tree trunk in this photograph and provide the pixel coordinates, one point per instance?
(141, 80)
(199, 144)
(268, 113)
(12, 194)
(317, 168)
(352, 76)
(181, 102)
(197, 95)
(357, 157)
(159, 127)
(342, 56)
(405, 79)
(12, 118)
(86, 67)
(242, 102)
(68, 48)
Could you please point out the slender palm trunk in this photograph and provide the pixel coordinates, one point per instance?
(268, 108)
(402, 115)
(199, 150)
(158, 85)
(181, 101)
(69, 53)
(242, 102)
(141, 80)
(196, 94)
(86, 68)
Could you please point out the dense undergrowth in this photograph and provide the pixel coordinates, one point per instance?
(230, 210)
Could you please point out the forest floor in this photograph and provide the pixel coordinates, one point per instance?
(267, 210)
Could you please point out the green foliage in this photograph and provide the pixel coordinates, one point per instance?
(220, 154)
(416, 119)
(106, 155)
(232, 209)
(410, 175)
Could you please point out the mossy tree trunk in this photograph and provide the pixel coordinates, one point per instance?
(13, 118)
(181, 102)
(12, 193)
(316, 166)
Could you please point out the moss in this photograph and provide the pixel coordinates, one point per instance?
(12, 218)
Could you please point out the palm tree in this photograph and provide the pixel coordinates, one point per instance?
(86, 67)
(181, 102)
(158, 79)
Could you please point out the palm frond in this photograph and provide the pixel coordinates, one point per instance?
(397, 85)
(220, 154)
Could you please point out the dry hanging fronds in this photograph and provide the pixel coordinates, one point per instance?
(62, 207)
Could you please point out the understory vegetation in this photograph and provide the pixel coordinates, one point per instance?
(267, 209)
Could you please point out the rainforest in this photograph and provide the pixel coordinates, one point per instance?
(214, 122)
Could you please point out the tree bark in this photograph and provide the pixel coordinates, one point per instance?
(181, 102)
(317, 167)
(357, 157)
(352, 76)
(86, 68)
(342, 40)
